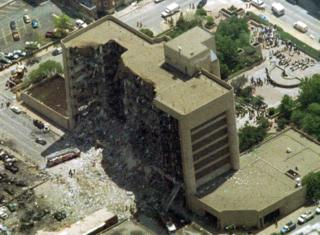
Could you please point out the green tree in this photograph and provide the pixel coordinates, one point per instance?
(311, 124)
(286, 107)
(312, 182)
(209, 22)
(238, 83)
(297, 117)
(201, 12)
(263, 122)
(147, 32)
(250, 136)
(45, 69)
(310, 91)
(62, 24)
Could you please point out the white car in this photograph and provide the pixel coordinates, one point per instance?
(80, 24)
(318, 210)
(305, 217)
(171, 227)
(15, 109)
(3, 212)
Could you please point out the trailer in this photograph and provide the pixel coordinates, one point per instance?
(277, 9)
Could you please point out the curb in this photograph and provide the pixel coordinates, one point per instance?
(6, 3)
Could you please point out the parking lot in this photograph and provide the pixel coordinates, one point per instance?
(15, 11)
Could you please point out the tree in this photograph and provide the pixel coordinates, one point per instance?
(201, 12)
(238, 83)
(62, 24)
(297, 117)
(209, 22)
(250, 135)
(286, 107)
(310, 91)
(45, 69)
(312, 182)
(147, 32)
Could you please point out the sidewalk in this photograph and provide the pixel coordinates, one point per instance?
(291, 217)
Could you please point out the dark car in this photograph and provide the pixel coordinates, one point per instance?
(34, 24)
(41, 141)
(50, 34)
(13, 25)
(290, 226)
(202, 3)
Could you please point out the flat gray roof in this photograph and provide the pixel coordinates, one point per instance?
(191, 42)
(261, 180)
(146, 59)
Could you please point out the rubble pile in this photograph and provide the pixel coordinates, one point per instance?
(102, 88)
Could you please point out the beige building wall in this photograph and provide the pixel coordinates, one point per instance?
(223, 106)
(45, 110)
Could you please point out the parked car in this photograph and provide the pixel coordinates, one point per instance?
(34, 24)
(305, 217)
(11, 56)
(290, 226)
(15, 109)
(32, 45)
(157, 1)
(318, 210)
(15, 35)
(57, 51)
(51, 34)
(40, 141)
(20, 53)
(13, 25)
(80, 24)
(26, 19)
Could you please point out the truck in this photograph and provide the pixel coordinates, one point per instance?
(170, 10)
(302, 27)
(62, 156)
(277, 9)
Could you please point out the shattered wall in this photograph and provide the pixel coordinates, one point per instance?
(101, 83)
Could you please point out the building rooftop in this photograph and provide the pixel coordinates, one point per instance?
(146, 59)
(262, 180)
(192, 42)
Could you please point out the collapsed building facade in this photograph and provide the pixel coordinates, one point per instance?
(179, 112)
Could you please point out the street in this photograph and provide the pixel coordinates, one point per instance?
(149, 12)
(17, 130)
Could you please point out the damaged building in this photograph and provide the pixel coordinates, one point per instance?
(179, 113)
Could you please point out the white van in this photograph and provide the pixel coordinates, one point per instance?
(302, 27)
(258, 4)
(277, 9)
(170, 10)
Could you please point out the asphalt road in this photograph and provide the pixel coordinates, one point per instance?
(15, 11)
(149, 13)
(17, 129)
